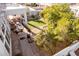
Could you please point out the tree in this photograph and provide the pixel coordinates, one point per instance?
(60, 21)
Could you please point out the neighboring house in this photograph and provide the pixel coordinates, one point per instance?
(34, 10)
(37, 9)
(33, 13)
(45, 4)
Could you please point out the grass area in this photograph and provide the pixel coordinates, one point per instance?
(35, 23)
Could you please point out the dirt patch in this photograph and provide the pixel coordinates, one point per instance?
(59, 46)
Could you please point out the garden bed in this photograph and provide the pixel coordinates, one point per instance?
(59, 47)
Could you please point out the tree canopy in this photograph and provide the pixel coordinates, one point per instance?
(62, 25)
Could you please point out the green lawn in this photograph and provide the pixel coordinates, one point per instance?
(35, 23)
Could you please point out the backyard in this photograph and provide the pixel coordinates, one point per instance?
(51, 31)
(60, 31)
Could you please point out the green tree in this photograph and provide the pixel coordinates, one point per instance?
(61, 26)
